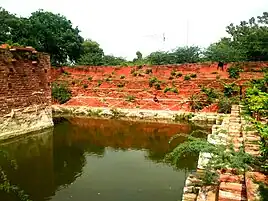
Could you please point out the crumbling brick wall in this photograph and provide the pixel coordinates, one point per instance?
(24, 83)
(24, 79)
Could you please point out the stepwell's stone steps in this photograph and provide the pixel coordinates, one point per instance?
(235, 130)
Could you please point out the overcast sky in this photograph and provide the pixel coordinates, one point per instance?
(122, 27)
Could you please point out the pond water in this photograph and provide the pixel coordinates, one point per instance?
(98, 160)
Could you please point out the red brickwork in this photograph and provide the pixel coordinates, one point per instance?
(24, 79)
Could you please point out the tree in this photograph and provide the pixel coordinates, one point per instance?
(110, 60)
(7, 22)
(251, 37)
(139, 55)
(224, 50)
(187, 54)
(45, 31)
(54, 34)
(160, 58)
(92, 54)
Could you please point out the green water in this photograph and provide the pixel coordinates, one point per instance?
(98, 160)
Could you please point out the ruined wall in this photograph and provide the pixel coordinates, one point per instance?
(25, 93)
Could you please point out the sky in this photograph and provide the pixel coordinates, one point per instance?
(122, 27)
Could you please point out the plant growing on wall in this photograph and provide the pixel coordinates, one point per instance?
(60, 92)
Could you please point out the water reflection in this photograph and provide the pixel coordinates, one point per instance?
(83, 156)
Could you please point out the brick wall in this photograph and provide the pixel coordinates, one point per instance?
(24, 79)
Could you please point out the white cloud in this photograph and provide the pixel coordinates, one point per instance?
(123, 26)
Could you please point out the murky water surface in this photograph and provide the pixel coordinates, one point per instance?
(98, 160)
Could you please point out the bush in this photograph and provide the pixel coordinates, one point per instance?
(130, 98)
(174, 90)
(171, 78)
(85, 86)
(139, 67)
(230, 90)
(193, 75)
(89, 78)
(225, 104)
(214, 72)
(99, 83)
(218, 77)
(173, 73)
(187, 77)
(148, 71)
(152, 80)
(234, 71)
(157, 86)
(167, 89)
(122, 77)
(121, 85)
(61, 93)
(179, 74)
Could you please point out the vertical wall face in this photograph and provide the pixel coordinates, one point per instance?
(25, 93)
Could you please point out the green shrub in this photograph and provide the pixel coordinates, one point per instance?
(234, 71)
(120, 85)
(231, 90)
(174, 90)
(139, 67)
(130, 98)
(193, 75)
(61, 93)
(99, 83)
(214, 72)
(171, 78)
(85, 86)
(173, 73)
(73, 82)
(122, 77)
(152, 80)
(108, 79)
(148, 71)
(66, 73)
(187, 77)
(167, 89)
(157, 86)
(89, 78)
(218, 77)
(211, 93)
(179, 74)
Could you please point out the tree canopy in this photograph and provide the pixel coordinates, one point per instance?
(55, 34)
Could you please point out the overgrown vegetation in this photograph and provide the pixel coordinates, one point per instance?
(234, 71)
(187, 77)
(171, 89)
(60, 92)
(222, 157)
(130, 98)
